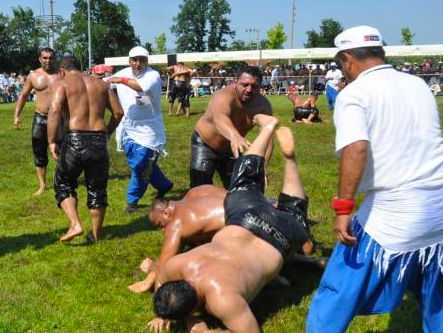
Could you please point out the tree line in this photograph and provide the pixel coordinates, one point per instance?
(200, 25)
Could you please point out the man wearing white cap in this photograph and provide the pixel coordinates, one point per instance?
(139, 90)
(333, 77)
(389, 141)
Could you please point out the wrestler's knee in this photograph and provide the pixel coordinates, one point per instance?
(63, 189)
(40, 150)
(62, 194)
(97, 198)
(41, 161)
(199, 177)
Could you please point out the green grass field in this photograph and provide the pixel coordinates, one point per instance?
(47, 286)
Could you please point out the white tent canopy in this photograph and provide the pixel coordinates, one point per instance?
(302, 54)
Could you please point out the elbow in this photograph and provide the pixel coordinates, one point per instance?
(360, 147)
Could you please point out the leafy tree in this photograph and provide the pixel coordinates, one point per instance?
(218, 25)
(111, 31)
(21, 40)
(238, 45)
(190, 26)
(276, 37)
(406, 36)
(5, 43)
(148, 46)
(160, 44)
(198, 17)
(329, 29)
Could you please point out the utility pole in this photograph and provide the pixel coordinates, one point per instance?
(292, 24)
(292, 28)
(89, 36)
(51, 24)
(258, 46)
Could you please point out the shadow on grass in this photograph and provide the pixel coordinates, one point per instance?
(405, 319)
(15, 244)
(304, 280)
(137, 225)
(119, 176)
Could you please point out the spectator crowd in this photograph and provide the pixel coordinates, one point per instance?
(277, 79)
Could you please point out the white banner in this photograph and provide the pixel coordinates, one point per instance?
(302, 54)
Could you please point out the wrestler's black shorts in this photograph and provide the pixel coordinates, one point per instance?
(204, 162)
(83, 151)
(304, 113)
(172, 93)
(183, 93)
(40, 140)
(245, 205)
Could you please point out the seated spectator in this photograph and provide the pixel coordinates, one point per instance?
(435, 84)
(195, 85)
(305, 111)
(406, 67)
(206, 84)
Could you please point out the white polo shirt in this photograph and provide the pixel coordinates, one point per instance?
(143, 119)
(403, 175)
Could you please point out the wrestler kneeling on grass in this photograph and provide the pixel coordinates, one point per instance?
(227, 273)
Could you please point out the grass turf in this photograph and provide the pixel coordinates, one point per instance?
(47, 286)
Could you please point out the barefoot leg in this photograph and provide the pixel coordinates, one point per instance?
(69, 206)
(41, 174)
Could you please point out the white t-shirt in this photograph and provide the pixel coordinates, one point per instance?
(143, 120)
(195, 83)
(403, 175)
(335, 76)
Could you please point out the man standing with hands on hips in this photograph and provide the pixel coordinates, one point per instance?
(390, 145)
(139, 90)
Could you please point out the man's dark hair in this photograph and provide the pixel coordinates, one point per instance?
(69, 63)
(363, 53)
(47, 50)
(251, 70)
(159, 204)
(175, 300)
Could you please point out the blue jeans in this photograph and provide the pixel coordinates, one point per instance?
(331, 95)
(144, 171)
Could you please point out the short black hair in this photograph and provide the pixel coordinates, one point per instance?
(159, 204)
(47, 49)
(251, 70)
(69, 63)
(363, 53)
(175, 300)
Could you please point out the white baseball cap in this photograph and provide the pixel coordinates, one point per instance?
(333, 64)
(361, 36)
(138, 51)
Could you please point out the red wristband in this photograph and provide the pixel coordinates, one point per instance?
(124, 80)
(343, 206)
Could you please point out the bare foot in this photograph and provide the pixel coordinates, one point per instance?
(72, 232)
(90, 238)
(306, 121)
(40, 191)
(264, 120)
(146, 265)
(286, 140)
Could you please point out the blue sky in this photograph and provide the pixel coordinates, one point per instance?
(152, 17)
